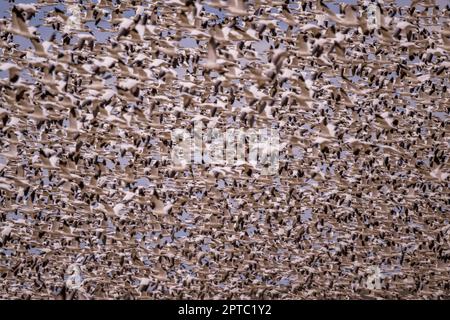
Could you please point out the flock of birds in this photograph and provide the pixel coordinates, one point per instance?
(91, 206)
